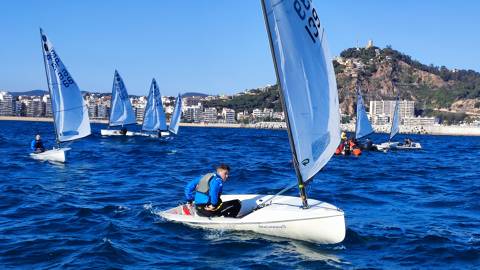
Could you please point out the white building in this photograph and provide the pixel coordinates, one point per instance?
(387, 107)
(35, 107)
(48, 105)
(381, 119)
(193, 113)
(6, 104)
(139, 113)
(420, 121)
(228, 115)
(210, 115)
(278, 116)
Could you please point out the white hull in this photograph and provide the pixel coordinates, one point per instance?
(114, 132)
(398, 146)
(412, 146)
(152, 135)
(322, 223)
(55, 155)
(386, 146)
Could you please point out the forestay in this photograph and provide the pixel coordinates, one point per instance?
(69, 109)
(122, 111)
(363, 127)
(308, 87)
(177, 113)
(154, 118)
(395, 121)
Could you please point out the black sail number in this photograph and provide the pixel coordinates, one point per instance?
(307, 13)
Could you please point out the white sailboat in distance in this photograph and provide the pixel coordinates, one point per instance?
(154, 121)
(394, 130)
(70, 113)
(310, 101)
(121, 112)
(363, 127)
(176, 116)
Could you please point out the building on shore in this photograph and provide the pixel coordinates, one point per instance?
(210, 115)
(6, 104)
(228, 116)
(266, 113)
(420, 121)
(48, 105)
(193, 113)
(381, 110)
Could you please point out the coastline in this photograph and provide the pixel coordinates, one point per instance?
(427, 130)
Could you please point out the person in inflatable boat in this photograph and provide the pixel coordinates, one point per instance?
(205, 191)
(37, 145)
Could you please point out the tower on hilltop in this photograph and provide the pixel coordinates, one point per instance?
(369, 44)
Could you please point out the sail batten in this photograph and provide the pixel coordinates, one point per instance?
(121, 112)
(307, 82)
(69, 109)
(363, 127)
(154, 118)
(177, 113)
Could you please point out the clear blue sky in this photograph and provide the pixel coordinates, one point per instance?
(213, 46)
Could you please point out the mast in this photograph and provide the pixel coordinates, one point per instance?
(42, 42)
(301, 187)
(357, 122)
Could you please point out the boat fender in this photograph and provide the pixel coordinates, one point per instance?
(203, 185)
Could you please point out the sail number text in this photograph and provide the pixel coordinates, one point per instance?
(63, 74)
(308, 13)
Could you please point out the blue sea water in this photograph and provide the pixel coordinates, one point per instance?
(404, 210)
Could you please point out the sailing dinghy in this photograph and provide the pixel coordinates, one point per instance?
(121, 113)
(363, 127)
(310, 101)
(154, 121)
(395, 128)
(70, 113)
(176, 116)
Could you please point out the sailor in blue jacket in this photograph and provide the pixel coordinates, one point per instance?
(37, 145)
(206, 192)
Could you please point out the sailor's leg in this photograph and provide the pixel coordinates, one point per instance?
(231, 208)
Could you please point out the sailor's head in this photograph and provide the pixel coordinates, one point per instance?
(37, 137)
(344, 135)
(223, 170)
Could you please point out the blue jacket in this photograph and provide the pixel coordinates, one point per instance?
(215, 191)
(32, 145)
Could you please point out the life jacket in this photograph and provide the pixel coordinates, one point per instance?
(203, 185)
(351, 144)
(339, 149)
(357, 152)
(38, 144)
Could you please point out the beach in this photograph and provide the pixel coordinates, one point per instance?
(453, 130)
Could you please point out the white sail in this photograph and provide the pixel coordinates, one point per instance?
(308, 86)
(363, 127)
(70, 112)
(121, 112)
(177, 113)
(395, 121)
(154, 118)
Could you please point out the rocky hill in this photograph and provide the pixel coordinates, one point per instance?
(386, 73)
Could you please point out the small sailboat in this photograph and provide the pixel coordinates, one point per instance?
(154, 121)
(310, 101)
(70, 113)
(176, 116)
(121, 113)
(363, 127)
(395, 128)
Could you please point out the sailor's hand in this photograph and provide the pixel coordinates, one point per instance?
(209, 208)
